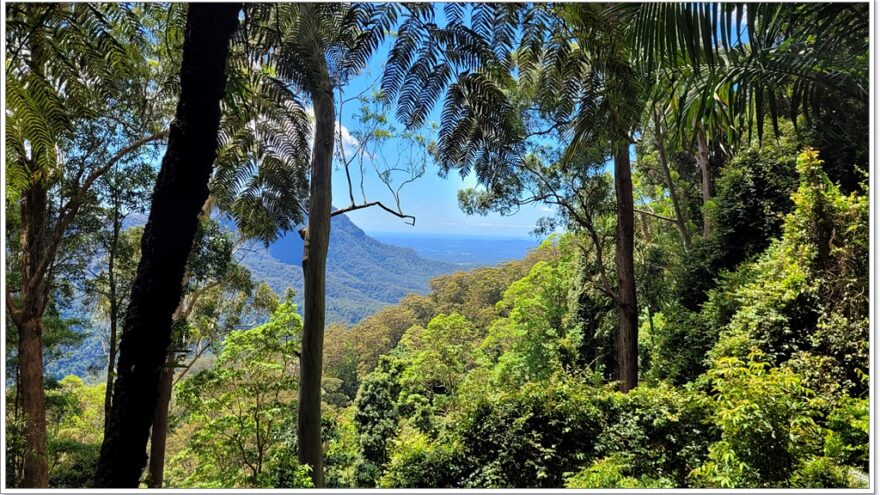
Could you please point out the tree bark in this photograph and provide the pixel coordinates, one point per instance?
(667, 176)
(317, 238)
(706, 172)
(181, 190)
(159, 432)
(627, 332)
(30, 354)
(29, 321)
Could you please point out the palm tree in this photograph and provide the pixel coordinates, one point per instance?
(180, 193)
(76, 108)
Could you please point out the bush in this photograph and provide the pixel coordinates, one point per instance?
(664, 432)
(765, 422)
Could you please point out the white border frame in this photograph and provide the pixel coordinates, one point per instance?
(872, 344)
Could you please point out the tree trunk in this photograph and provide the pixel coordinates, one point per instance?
(706, 172)
(181, 190)
(30, 355)
(628, 330)
(667, 176)
(159, 432)
(29, 321)
(35, 285)
(317, 238)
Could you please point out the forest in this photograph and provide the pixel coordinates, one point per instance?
(697, 315)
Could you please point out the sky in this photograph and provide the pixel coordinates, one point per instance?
(431, 199)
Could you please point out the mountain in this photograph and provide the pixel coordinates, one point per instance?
(363, 274)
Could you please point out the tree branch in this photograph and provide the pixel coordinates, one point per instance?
(69, 210)
(13, 310)
(652, 214)
(354, 207)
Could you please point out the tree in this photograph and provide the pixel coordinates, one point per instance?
(181, 191)
(582, 78)
(123, 193)
(76, 107)
(317, 48)
(241, 409)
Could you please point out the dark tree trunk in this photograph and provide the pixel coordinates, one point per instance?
(159, 432)
(317, 238)
(628, 330)
(29, 321)
(706, 173)
(181, 190)
(30, 355)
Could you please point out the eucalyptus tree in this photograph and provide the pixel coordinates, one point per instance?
(316, 49)
(79, 103)
(181, 191)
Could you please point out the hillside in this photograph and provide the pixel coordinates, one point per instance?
(363, 274)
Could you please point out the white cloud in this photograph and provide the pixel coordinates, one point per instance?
(348, 141)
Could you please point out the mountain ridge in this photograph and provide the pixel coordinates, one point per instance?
(363, 274)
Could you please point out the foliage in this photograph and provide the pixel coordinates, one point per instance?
(765, 422)
(753, 334)
(239, 412)
(753, 194)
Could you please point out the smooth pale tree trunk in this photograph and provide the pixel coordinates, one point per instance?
(159, 430)
(628, 329)
(181, 190)
(667, 176)
(316, 240)
(706, 173)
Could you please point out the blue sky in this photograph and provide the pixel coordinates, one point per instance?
(431, 199)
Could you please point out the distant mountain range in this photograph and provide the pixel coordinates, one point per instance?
(465, 251)
(363, 274)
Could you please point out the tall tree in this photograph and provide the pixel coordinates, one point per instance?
(259, 181)
(577, 61)
(181, 190)
(319, 47)
(76, 107)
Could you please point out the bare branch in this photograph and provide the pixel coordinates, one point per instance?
(354, 207)
(652, 214)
